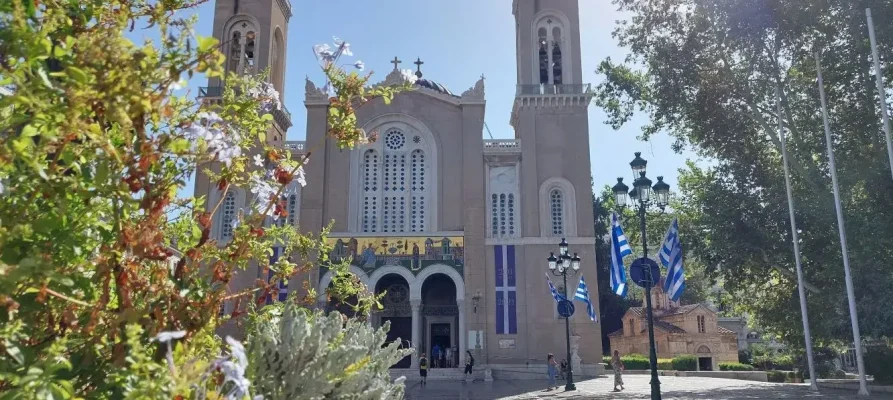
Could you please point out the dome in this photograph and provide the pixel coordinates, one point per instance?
(427, 83)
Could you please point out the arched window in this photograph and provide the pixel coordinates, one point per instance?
(556, 206)
(401, 202)
(235, 52)
(227, 216)
(543, 44)
(552, 48)
(556, 55)
(278, 65)
(242, 55)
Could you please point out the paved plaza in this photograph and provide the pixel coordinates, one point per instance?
(636, 388)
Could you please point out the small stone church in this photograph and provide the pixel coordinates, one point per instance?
(455, 228)
(689, 329)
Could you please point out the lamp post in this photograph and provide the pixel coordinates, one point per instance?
(561, 266)
(641, 197)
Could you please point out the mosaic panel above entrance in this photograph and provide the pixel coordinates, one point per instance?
(412, 252)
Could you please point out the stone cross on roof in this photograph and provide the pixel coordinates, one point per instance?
(418, 63)
(396, 62)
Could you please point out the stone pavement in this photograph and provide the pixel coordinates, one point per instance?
(636, 388)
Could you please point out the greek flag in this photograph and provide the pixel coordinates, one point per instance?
(671, 258)
(619, 249)
(583, 295)
(555, 295)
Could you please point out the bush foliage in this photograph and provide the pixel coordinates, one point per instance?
(879, 362)
(685, 362)
(734, 366)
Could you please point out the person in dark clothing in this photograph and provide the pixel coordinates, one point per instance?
(469, 364)
(423, 369)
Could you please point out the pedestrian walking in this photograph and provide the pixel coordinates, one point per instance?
(469, 365)
(552, 371)
(618, 367)
(423, 369)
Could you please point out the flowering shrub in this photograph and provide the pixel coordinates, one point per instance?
(295, 354)
(110, 284)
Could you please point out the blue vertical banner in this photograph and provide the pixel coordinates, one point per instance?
(506, 291)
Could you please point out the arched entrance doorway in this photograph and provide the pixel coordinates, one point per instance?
(705, 359)
(440, 320)
(396, 310)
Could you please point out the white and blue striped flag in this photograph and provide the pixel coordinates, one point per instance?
(555, 295)
(619, 249)
(671, 258)
(583, 295)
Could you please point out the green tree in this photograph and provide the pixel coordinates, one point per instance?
(612, 307)
(706, 72)
(94, 147)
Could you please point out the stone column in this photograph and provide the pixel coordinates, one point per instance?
(462, 333)
(416, 335)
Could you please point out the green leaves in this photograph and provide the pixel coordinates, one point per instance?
(705, 72)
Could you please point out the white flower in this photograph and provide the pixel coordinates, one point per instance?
(343, 47)
(359, 65)
(320, 49)
(263, 190)
(234, 370)
(409, 76)
(299, 175)
(258, 160)
(166, 337)
(209, 117)
(238, 351)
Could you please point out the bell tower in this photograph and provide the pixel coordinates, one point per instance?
(252, 35)
(548, 42)
(551, 122)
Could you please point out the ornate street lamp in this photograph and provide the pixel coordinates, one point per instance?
(562, 265)
(641, 197)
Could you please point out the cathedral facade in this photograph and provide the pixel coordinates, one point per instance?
(455, 228)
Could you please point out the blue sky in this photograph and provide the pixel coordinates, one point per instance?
(458, 40)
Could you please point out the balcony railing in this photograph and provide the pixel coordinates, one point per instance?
(210, 91)
(502, 146)
(281, 116)
(296, 145)
(566, 89)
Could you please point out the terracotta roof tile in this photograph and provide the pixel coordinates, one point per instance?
(667, 327)
(724, 331)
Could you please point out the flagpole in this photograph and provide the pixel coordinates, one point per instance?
(879, 79)
(807, 336)
(851, 298)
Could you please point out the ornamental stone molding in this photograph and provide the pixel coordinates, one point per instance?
(314, 95)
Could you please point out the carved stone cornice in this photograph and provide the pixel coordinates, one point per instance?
(314, 95)
(475, 94)
(567, 102)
